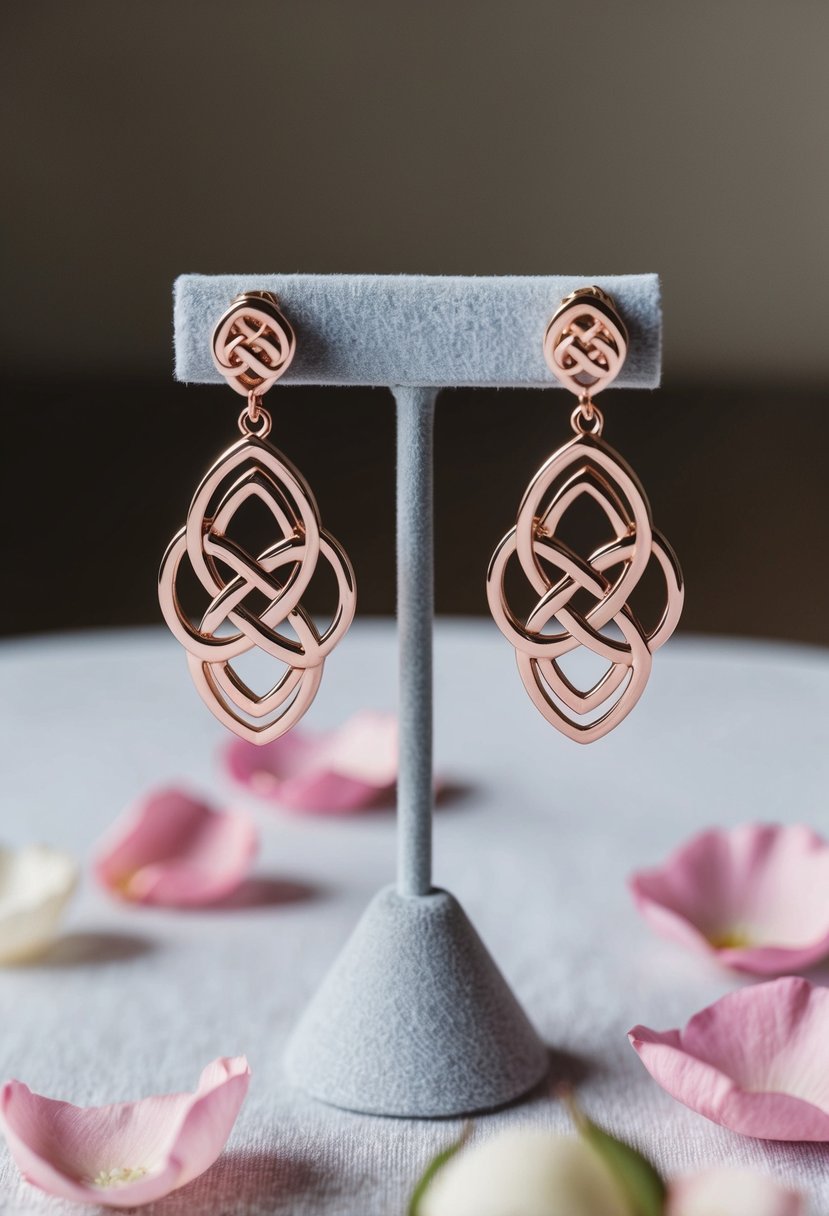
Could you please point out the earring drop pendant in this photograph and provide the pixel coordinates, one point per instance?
(584, 601)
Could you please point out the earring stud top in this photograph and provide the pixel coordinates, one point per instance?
(253, 343)
(586, 342)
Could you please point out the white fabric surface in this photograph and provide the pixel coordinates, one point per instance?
(136, 1001)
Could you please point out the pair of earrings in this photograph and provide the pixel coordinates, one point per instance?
(578, 601)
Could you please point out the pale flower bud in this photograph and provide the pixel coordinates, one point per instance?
(525, 1172)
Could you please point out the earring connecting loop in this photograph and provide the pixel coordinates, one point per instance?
(255, 420)
(587, 418)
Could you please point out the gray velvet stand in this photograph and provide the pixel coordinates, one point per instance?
(414, 1017)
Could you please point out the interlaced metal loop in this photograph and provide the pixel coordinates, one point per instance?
(584, 601)
(254, 593)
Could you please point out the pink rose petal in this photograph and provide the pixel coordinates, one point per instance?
(172, 849)
(127, 1154)
(755, 897)
(736, 1192)
(756, 1061)
(344, 770)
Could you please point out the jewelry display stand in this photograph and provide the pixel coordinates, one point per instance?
(415, 1019)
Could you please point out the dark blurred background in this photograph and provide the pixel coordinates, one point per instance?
(143, 140)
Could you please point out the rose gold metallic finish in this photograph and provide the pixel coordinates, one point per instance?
(253, 345)
(586, 342)
(581, 344)
(255, 420)
(252, 468)
(584, 466)
(587, 418)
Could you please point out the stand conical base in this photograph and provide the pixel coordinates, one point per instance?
(415, 1019)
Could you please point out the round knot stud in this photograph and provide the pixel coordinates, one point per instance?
(586, 342)
(253, 343)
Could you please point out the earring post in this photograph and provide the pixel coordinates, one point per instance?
(415, 613)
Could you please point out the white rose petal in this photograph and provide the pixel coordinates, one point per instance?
(524, 1172)
(36, 883)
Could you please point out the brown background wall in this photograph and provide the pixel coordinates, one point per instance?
(142, 140)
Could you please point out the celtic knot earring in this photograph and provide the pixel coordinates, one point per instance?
(253, 594)
(578, 601)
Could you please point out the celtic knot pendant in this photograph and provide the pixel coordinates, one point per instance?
(557, 575)
(229, 574)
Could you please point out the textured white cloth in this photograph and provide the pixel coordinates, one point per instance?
(537, 848)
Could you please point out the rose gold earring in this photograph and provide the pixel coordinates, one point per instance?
(577, 601)
(253, 345)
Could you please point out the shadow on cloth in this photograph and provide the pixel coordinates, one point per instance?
(245, 1182)
(267, 891)
(453, 794)
(565, 1070)
(81, 949)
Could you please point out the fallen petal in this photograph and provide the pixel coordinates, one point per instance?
(736, 1192)
(172, 849)
(36, 884)
(129, 1153)
(346, 769)
(754, 897)
(756, 1061)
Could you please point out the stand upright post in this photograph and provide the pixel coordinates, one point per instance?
(415, 610)
(414, 1018)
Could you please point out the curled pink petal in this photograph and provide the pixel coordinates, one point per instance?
(755, 897)
(737, 1192)
(172, 849)
(346, 769)
(756, 1061)
(129, 1153)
